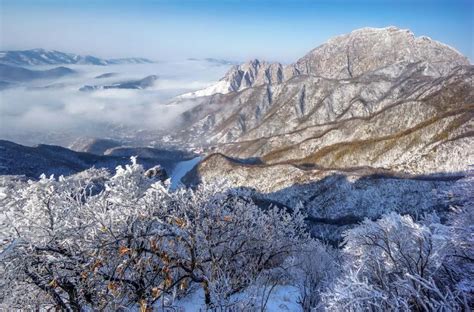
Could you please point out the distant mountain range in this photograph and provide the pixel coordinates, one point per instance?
(52, 57)
(10, 75)
(214, 61)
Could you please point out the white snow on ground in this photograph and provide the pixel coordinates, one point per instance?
(3, 193)
(181, 169)
(283, 298)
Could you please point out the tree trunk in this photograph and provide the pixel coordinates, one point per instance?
(207, 293)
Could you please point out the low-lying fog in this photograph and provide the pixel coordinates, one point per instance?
(56, 112)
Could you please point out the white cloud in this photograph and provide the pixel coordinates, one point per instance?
(33, 114)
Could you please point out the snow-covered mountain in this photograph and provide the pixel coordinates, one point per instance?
(374, 100)
(52, 57)
(374, 121)
(344, 57)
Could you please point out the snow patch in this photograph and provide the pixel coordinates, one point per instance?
(283, 298)
(3, 193)
(221, 86)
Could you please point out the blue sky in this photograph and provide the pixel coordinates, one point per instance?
(234, 29)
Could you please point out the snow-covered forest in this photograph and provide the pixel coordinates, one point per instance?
(124, 241)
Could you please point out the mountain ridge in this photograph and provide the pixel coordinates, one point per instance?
(34, 57)
(257, 72)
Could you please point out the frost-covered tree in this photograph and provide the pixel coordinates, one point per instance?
(44, 249)
(312, 269)
(98, 241)
(459, 265)
(396, 264)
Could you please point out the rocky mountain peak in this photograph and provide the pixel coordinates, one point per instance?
(369, 49)
(253, 73)
(351, 55)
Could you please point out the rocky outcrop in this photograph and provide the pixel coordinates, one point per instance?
(158, 173)
(254, 73)
(239, 77)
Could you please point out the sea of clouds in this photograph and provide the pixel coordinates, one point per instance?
(56, 112)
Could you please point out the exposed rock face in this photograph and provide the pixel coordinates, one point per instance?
(254, 73)
(250, 74)
(375, 98)
(157, 172)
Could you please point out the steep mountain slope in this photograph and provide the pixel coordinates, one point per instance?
(372, 100)
(48, 57)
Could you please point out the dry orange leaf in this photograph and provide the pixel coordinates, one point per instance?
(124, 250)
(96, 265)
(168, 281)
(53, 283)
(143, 306)
(155, 292)
(112, 286)
(180, 222)
(183, 285)
(154, 245)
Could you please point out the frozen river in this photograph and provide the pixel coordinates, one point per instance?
(181, 169)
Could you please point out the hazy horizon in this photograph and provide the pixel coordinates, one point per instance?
(234, 30)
